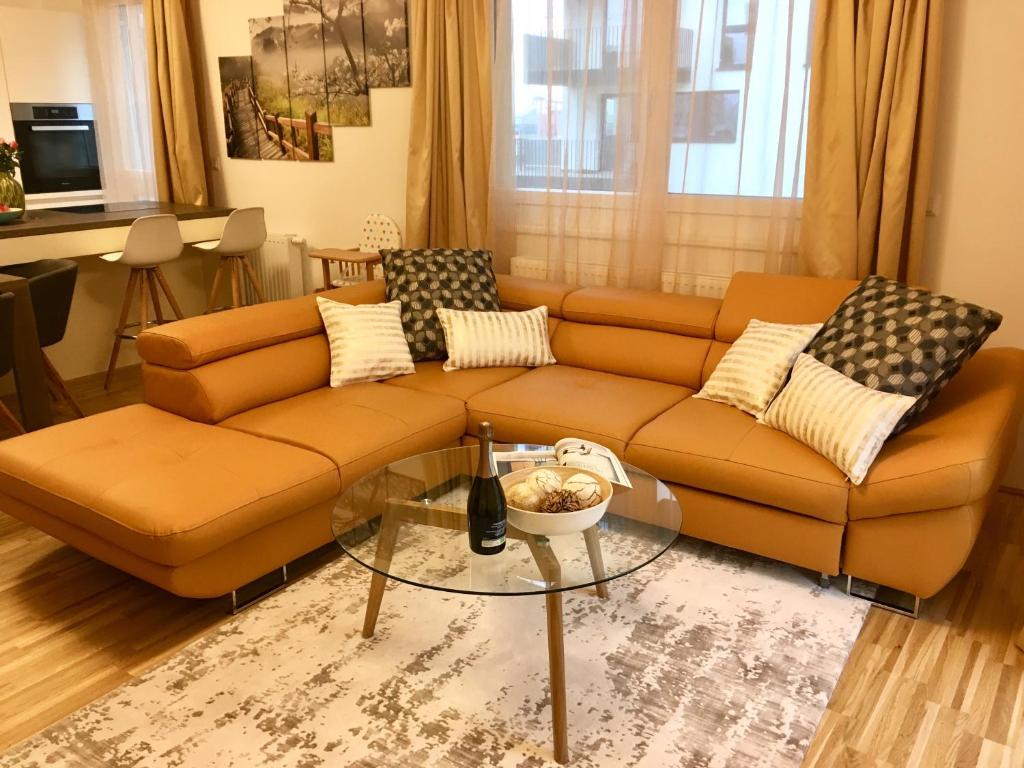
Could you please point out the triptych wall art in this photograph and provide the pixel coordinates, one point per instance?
(310, 69)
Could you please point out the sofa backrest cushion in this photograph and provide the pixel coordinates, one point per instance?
(652, 355)
(204, 339)
(777, 299)
(520, 293)
(647, 310)
(211, 367)
(216, 391)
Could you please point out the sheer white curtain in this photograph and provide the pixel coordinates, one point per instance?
(653, 144)
(118, 69)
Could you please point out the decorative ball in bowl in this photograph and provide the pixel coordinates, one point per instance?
(555, 500)
(9, 214)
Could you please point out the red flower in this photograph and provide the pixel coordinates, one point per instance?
(13, 145)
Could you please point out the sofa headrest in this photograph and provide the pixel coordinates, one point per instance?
(777, 299)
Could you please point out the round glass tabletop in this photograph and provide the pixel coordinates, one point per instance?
(407, 521)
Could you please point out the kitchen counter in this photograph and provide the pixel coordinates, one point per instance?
(48, 221)
(60, 233)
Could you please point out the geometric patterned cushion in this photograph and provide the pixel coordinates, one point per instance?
(424, 280)
(894, 338)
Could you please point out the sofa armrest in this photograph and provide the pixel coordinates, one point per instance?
(957, 452)
(197, 341)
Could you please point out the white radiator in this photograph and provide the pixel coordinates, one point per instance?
(278, 266)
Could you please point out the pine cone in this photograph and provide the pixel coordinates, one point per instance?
(560, 501)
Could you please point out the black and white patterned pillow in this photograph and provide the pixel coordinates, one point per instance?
(894, 338)
(425, 280)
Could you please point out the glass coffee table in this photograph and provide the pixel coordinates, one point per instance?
(407, 522)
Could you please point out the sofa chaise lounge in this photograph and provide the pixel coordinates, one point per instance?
(231, 466)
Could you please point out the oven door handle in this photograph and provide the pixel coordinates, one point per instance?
(60, 128)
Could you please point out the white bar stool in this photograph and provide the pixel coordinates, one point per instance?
(151, 241)
(244, 232)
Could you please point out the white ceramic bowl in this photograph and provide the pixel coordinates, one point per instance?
(557, 523)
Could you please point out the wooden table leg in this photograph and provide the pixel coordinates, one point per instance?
(556, 662)
(325, 265)
(385, 549)
(29, 374)
(592, 537)
(369, 271)
(550, 568)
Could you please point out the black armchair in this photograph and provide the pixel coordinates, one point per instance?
(52, 286)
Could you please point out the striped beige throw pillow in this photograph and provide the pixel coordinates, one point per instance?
(842, 420)
(755, 367)
(493, 339)
(367, 341)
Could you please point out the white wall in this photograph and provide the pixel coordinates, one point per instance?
(975, 249)
(323, 202)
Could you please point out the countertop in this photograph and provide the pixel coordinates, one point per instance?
(48, 221)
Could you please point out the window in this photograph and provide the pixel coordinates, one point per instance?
(736, 15)
(738, 122)
(714, 121)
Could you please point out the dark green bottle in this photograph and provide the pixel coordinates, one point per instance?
(486, 508)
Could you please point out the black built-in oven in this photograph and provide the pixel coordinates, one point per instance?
(59, 147)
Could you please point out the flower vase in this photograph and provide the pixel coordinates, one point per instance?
(11, 192)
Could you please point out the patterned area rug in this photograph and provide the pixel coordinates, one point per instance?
(707, 657)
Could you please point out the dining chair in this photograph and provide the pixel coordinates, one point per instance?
(7, 419)
(51, 285)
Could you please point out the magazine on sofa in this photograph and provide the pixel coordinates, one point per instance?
(573, 452)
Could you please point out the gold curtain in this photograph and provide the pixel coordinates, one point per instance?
(450, 136)
(175, 104)
(871, 134)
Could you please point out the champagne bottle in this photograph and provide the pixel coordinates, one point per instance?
(486, 507)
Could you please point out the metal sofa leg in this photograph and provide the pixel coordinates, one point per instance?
(824, 580)
(259, 589)
(888, 598)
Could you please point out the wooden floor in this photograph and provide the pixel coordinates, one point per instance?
(945, 690)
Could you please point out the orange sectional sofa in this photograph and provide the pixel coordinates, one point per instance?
(230, 468)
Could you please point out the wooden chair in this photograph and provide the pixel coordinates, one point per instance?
(151, 241)
(51, 285)
(244, 232)
(379, 231)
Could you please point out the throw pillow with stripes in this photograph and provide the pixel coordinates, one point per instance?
(494, 339)
(755, 367)
(842, 420)
(367, 341)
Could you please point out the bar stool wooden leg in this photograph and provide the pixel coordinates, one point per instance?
(143, 303)
(155, 296)
(166, 287)
(59, 388)
(211, 303)
(236, 283)
(253, 280)
(133, 281)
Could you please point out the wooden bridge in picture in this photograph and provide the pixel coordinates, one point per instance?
(253, 133)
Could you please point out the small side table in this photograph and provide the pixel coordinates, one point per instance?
(344, 256)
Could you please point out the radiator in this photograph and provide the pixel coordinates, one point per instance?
(278, 266)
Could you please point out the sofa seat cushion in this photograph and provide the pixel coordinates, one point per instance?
(462, 384)
(165, 488)
(715, 447)
(360, 427)
(558, 401)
